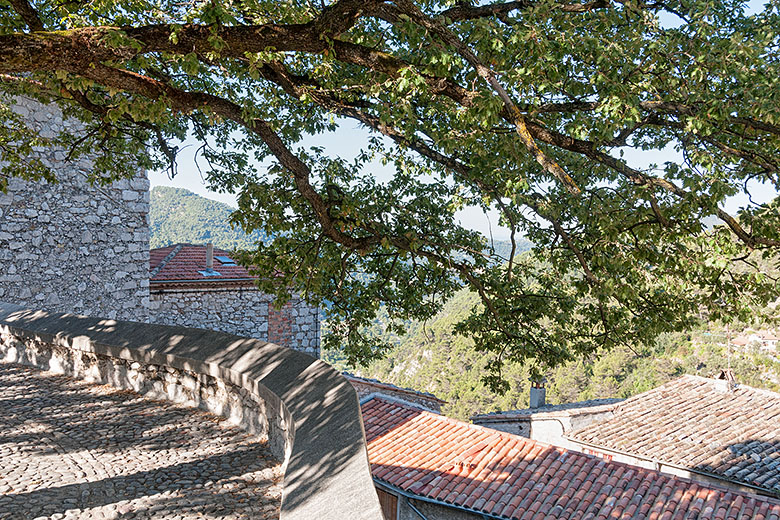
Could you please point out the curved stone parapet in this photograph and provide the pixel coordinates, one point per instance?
(307, 410)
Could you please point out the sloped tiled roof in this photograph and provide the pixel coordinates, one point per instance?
(688, 422)
(380, 386)
(551, 410)
(511, 477)
(184, 263)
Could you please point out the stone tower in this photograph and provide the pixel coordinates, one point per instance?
(71, 246)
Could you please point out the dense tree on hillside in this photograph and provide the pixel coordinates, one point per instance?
(178, 215)
(432, 358)
(523, 106)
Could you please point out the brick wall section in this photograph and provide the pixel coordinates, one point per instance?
(280, 324)
(244, 312)
(71, 247)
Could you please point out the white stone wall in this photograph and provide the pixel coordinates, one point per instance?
(244, 312)
(70, 246)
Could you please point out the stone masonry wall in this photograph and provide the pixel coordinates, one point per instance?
(72, 247)
(240, 407)
(308, 410)
(244, 312)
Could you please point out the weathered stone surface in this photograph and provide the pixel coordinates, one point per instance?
(73, 247)
(244, 312)
(57, 236)
(311, 411)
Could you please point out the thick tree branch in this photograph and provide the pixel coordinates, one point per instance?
(467, 12)
(28, 14)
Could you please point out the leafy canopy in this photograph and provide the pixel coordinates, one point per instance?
(525, 106)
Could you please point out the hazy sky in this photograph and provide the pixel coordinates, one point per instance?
(347, 141)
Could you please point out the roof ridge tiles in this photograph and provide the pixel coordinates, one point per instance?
(691, 424)
(170, 256)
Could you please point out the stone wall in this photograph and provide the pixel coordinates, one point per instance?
(309, 411)
(550, 423)
(244, 312)
(72, 247)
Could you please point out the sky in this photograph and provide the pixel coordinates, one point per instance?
(348, 139)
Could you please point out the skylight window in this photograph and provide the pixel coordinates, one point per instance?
(225, 260)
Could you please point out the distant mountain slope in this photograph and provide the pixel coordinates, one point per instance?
(432, 358)
(178, 215)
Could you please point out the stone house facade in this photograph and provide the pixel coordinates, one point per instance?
(77, 248)
(186, 289)
(549, 423)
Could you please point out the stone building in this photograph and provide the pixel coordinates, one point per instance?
(195, 286)
(548, 423)
(77, 248)
(69, 246)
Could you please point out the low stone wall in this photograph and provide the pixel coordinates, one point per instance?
(307, 410)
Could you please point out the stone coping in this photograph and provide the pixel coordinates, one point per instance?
(327, 473)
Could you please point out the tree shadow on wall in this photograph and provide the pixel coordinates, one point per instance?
(328, 463)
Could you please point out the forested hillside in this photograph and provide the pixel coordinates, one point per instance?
(434, 359)
(178, 215)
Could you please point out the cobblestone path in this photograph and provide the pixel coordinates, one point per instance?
(70, 449)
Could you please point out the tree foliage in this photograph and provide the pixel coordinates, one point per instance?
(525, 106)
(432, 358)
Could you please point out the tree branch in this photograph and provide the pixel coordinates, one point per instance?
(28, 14)
(516, 117)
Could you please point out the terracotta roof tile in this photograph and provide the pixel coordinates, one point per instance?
(184, 263)
(689, 422)
(506, 476)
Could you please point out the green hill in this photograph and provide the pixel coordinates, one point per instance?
(432, 358)
(178, 215)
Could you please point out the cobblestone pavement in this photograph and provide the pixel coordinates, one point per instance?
(70, 449)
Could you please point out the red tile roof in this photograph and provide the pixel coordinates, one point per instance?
(184, 263)
(690, 423)
(393, 389)
(510, 477)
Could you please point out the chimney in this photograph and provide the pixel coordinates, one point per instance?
(209, 256)
(725, 382)
(538, 393)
